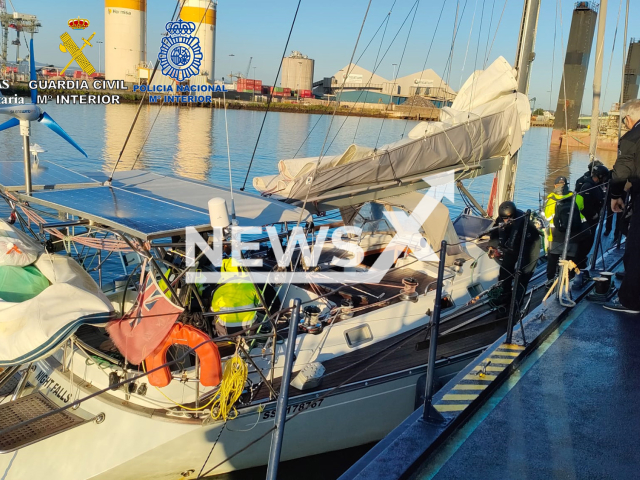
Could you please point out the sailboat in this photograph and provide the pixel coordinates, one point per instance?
(116, 398)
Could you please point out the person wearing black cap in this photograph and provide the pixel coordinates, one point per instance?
(557, 211)
(589, 187)
(504, 244)
(627, 169)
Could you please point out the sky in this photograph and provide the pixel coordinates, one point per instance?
(327, 31)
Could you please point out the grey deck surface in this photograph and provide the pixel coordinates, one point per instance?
(575, 414)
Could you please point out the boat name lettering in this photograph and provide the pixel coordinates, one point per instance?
(55, 388)
(291, 409)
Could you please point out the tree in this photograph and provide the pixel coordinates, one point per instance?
(538, 111)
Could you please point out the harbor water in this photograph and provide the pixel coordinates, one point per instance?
(191, 142)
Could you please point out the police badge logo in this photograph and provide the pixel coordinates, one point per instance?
(180, 54)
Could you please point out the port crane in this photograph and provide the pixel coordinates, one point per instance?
(239, 74)
(21, 22)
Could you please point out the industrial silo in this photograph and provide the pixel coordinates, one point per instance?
(203, 14)
(125, 33)
(297, 72)
(632, 72)
(576, 63)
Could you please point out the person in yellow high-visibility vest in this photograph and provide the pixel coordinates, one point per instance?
(234, 295)
(556, 211)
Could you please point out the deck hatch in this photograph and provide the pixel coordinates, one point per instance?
(358, 335)
(32, 406)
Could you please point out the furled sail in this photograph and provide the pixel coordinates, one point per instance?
(487, 119)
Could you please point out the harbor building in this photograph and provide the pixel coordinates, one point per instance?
(125, 37)
(576, 63)
(297, 72)
(203, 14)
(632, 72)
(364, 86)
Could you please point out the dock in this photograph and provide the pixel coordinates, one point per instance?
(563, 404)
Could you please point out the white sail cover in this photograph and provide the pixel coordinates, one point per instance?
(32, 329)
(487, 119)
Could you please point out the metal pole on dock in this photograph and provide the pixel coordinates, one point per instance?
(516, 278)
(599, 228)
(429, 413)
(283, 398)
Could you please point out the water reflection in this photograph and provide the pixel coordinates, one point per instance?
(117, 123)
(561, 160)
(193, 157)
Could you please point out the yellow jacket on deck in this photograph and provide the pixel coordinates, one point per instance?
(230, 296)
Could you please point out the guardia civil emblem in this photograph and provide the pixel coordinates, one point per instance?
(180, 54)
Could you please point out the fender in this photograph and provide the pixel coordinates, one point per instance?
(208, 354)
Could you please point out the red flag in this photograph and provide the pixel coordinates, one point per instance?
(138, 333)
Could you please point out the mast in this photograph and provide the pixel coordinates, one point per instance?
(506, 177)
(597, 80)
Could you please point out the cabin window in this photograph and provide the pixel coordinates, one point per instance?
(358, 335)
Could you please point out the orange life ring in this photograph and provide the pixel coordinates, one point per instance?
(208, 354)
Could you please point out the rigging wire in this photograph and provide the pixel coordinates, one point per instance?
(624, 65)
(144, 96)
(486, 47)
(553, 64)
(464, 62)
(564, 84)
(415, 11)
(378, 66)
(322, 150)
(144, 143)
(286, 46)
(375, 62)
(504, 7)
(424, 66)
(613, 48)
(226, 129)
(357, 99)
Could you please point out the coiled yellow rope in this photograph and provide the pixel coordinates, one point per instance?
(234, 378)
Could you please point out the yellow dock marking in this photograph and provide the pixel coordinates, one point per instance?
(506, 354)
(500, 361)
(450, 408)
(460, 396)
(468, 386)
(484, 378)
(511, 346)
(488, 368)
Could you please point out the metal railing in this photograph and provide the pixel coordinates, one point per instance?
(283, 398)
(430, 414)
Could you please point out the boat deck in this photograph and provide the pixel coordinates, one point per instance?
(465, 333)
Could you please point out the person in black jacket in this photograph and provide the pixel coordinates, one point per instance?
(504, 244)
(589, 187)
(627, 168)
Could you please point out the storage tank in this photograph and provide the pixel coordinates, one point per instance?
(632, 72)
(297, 72)
(125, 33)
(576, 63)
(203, 14)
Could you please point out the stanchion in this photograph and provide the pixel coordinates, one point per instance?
(430, 414)
(516, 278)
(283, 398)
(603, 214)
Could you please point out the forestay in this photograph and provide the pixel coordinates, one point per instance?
(487, 119)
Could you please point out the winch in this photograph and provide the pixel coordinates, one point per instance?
(311, 322)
